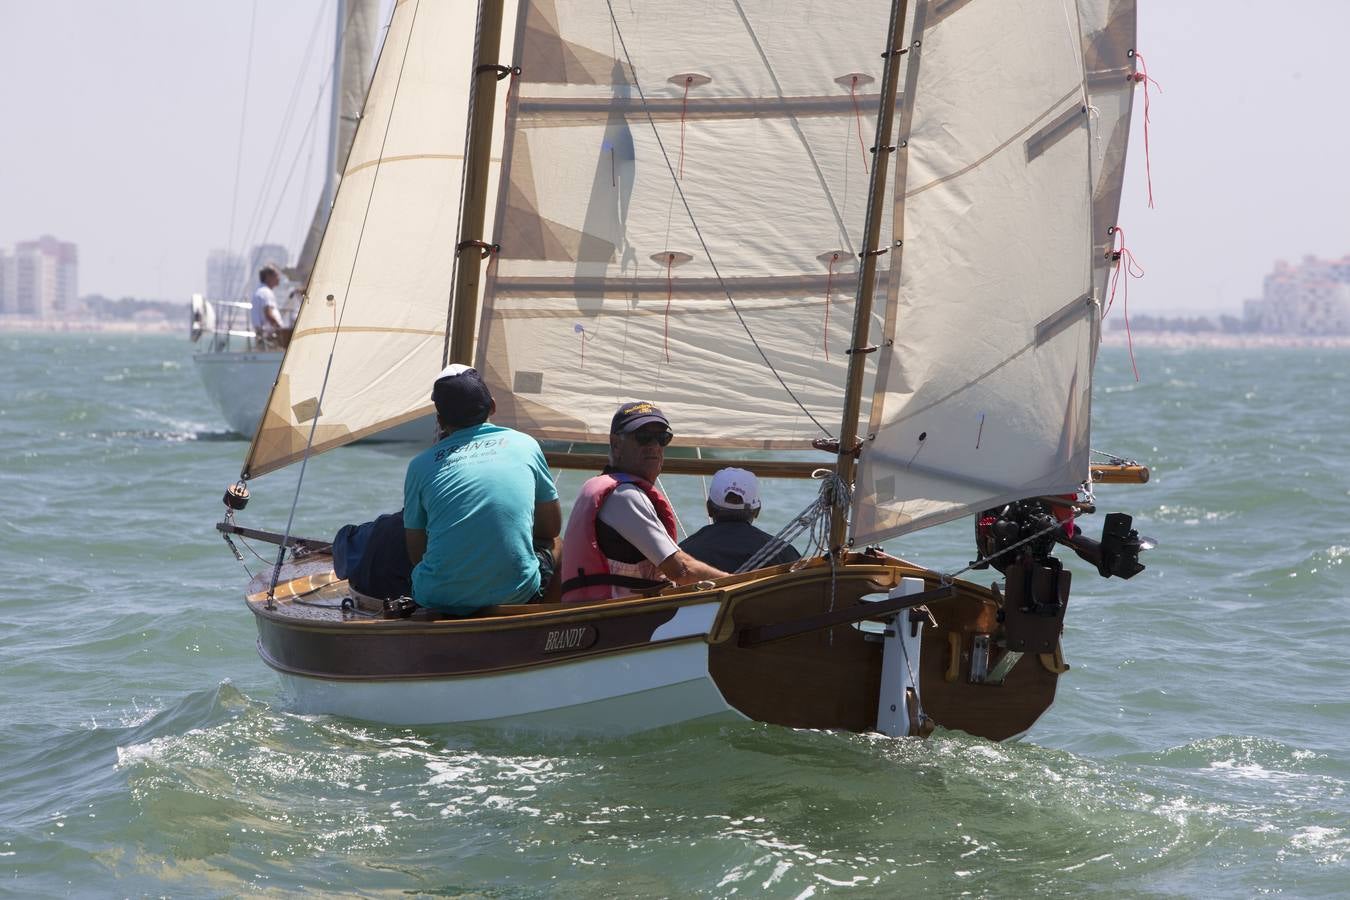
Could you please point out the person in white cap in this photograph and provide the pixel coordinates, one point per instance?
(732, 538)
(480, 510)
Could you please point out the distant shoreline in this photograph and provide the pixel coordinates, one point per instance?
(119, 326)
(1224, 340)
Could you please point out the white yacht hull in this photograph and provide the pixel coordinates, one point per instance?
(239, 382)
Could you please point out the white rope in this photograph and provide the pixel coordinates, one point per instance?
(814, 520)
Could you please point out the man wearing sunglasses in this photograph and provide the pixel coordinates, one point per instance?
(620, 537)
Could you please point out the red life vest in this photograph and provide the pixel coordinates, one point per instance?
(587, 573)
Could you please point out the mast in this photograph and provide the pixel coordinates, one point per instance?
(862, 312)
(334, 111)
(486, 73)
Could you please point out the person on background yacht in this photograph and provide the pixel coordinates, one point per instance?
(265, 316)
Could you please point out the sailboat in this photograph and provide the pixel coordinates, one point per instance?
(689, 205)
(236, 373)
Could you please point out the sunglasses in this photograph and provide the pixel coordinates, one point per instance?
(647, 438)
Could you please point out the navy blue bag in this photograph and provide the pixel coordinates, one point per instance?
(373, 557)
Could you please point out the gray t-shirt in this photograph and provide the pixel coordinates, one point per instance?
(629, 511)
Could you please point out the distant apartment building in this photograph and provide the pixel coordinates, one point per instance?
(40, 279)
(1312, 297)
(6, 283)
(263, 254)
(226, 275)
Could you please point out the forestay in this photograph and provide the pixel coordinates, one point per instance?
(985, 380)
(603, 290)
(383, 273)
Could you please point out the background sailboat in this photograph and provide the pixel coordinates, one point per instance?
(682, 204)
(237, 374)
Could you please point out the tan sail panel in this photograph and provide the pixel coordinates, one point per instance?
(603, 290)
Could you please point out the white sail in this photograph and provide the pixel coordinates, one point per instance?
(606, 289)
(1108, 28)
(354, 52)
(383, 273)
(984, 385)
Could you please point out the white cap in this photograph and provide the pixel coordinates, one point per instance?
(452, 370)
(738, 482)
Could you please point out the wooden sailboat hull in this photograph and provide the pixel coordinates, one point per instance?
(640, 663)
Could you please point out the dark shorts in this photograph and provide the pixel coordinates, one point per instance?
(547, 566)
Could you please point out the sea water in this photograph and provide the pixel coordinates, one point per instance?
(1197, 746)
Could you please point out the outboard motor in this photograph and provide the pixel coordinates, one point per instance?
(1043, 525)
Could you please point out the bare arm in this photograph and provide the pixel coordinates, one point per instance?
(547, 521)
(682, 568)
(416, 539)
(273, 317)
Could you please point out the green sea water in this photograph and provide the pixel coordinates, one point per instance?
(1197, 748)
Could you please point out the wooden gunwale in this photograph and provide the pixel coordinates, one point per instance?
(342, 648)
(470, 672)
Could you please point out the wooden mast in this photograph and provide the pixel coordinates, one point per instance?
(862, 312)
(483, 101)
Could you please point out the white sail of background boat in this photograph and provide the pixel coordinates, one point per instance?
(878, 230)
(236, 373)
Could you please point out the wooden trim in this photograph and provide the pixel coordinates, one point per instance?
(1120, 473)
(483, 97)
(309, 545)
(495, 669)
(763, 468)
(766, 633)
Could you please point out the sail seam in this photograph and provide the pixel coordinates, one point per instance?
(407, 157)
(698, 231)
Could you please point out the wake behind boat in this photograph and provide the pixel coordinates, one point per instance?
(681, 199)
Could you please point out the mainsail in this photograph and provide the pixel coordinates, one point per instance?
(985, 375)
(681, 217)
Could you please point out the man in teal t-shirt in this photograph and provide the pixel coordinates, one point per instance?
(480, 509)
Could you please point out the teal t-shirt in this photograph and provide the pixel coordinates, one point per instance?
(474, 494)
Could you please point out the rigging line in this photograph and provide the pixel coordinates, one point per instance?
(1114, 457)
(337, 329)
(243, 119)
(796, 127)
(276, 211)
(948, 578)
(286, 119)
(308, 152)
(698, 231)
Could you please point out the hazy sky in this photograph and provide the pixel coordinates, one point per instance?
(122, 125)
